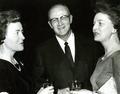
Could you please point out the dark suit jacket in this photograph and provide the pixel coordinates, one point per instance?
(54, 65)
(11, 80)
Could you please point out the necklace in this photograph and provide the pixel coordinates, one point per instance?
(109, 53)
(16, 64)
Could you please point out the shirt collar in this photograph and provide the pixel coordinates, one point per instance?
(61, 41)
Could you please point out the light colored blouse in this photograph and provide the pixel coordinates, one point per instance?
(107, 69)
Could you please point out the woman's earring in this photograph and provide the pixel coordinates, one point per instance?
(115, 30)
(2, 41)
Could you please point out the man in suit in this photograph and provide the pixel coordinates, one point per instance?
(52, 62)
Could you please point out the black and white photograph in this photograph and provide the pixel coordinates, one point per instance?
(59, 47)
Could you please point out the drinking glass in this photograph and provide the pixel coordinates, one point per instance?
(47, 83)
(75, 85)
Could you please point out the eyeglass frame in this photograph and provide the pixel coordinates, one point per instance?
(62, 18)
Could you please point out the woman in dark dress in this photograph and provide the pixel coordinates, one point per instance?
(11, 41)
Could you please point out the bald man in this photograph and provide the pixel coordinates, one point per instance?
(52, 62)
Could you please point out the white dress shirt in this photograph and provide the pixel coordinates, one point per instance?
(71, 43)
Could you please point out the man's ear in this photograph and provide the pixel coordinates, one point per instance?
(50, 24)
(71, 18)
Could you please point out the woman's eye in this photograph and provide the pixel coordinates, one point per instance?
(17, 32)
(100, 23)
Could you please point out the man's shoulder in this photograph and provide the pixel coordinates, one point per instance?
(47, 44)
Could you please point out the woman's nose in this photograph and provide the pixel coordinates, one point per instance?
(95, 27)
(22, 36)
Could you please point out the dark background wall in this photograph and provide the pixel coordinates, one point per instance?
(37, 30)
(34, 14)
(34, 17)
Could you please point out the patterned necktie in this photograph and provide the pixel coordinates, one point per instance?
(68, 53)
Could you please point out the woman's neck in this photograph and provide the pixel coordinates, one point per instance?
(111, 46)
(5, 53)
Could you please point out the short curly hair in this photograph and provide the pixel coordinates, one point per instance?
(112, 11)
(7, 17)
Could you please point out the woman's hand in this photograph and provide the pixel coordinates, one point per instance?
(47, 90)
(4, 93)
(82, 91)
(63, 91)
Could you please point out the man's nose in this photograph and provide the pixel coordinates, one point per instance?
(59, 21)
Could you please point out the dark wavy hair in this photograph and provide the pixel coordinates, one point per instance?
(112, 11)
(7, 17)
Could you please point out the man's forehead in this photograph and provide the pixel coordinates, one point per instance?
(59, 9)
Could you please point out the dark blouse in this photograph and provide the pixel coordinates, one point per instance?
(12, 80)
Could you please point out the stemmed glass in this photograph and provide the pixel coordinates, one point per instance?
(47, 83)
(75, 85)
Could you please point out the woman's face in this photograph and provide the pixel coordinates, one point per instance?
(103, 27)
(14, 37)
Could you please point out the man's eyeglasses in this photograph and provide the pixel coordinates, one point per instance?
(62, 18)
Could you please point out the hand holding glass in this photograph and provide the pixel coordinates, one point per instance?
(46, 84)
(75, 85)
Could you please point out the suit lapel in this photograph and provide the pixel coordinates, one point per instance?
(78, 50)
(61, 54)
(58, 47)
